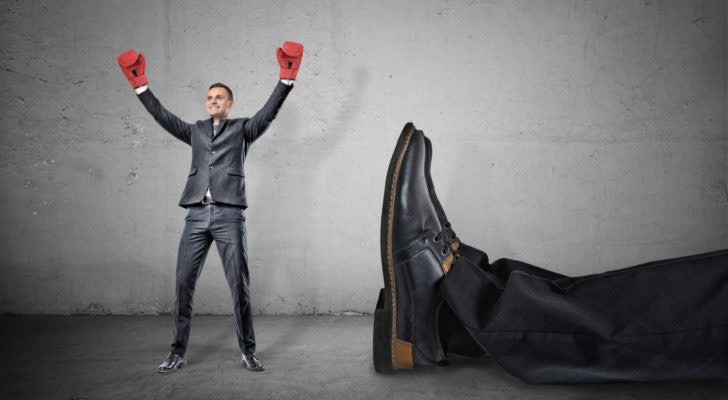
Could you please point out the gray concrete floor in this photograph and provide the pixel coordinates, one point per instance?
(306, 357)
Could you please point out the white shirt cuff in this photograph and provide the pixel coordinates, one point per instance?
(288, 82)
(140, 89)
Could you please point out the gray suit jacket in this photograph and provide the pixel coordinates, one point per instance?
(217, 162)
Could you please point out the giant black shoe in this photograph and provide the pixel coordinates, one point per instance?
(415, 256)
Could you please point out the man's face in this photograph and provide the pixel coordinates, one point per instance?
(218, 102)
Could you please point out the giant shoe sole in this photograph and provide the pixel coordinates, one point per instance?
(414, 261)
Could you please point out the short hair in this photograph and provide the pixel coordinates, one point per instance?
(220, 85)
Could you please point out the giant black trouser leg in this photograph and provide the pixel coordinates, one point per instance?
(661, 320)
(455, 338)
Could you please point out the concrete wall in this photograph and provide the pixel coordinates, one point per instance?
(578, 136)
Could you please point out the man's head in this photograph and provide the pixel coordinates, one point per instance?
(219, 100)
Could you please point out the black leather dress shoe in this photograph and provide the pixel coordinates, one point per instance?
(415, 255)
(172, 363)
(251, 362)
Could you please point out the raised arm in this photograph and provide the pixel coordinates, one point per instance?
(170, 122)
(289, 58)
(133, 65)
(255, 126)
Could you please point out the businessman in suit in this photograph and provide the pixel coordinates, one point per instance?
(214, 195)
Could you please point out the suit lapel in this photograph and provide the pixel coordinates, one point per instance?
(208, 127)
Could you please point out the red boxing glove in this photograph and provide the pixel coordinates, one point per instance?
(132, 65)
(289, 58)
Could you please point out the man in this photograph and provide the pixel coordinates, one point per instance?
(214, 194)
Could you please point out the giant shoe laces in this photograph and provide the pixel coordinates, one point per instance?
(449, 240)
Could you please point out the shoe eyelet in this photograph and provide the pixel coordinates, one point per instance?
(435, 239)
(443, 252)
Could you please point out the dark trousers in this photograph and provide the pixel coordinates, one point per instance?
(661, 320)
(225, 224)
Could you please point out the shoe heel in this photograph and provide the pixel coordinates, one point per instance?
(382, 335)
